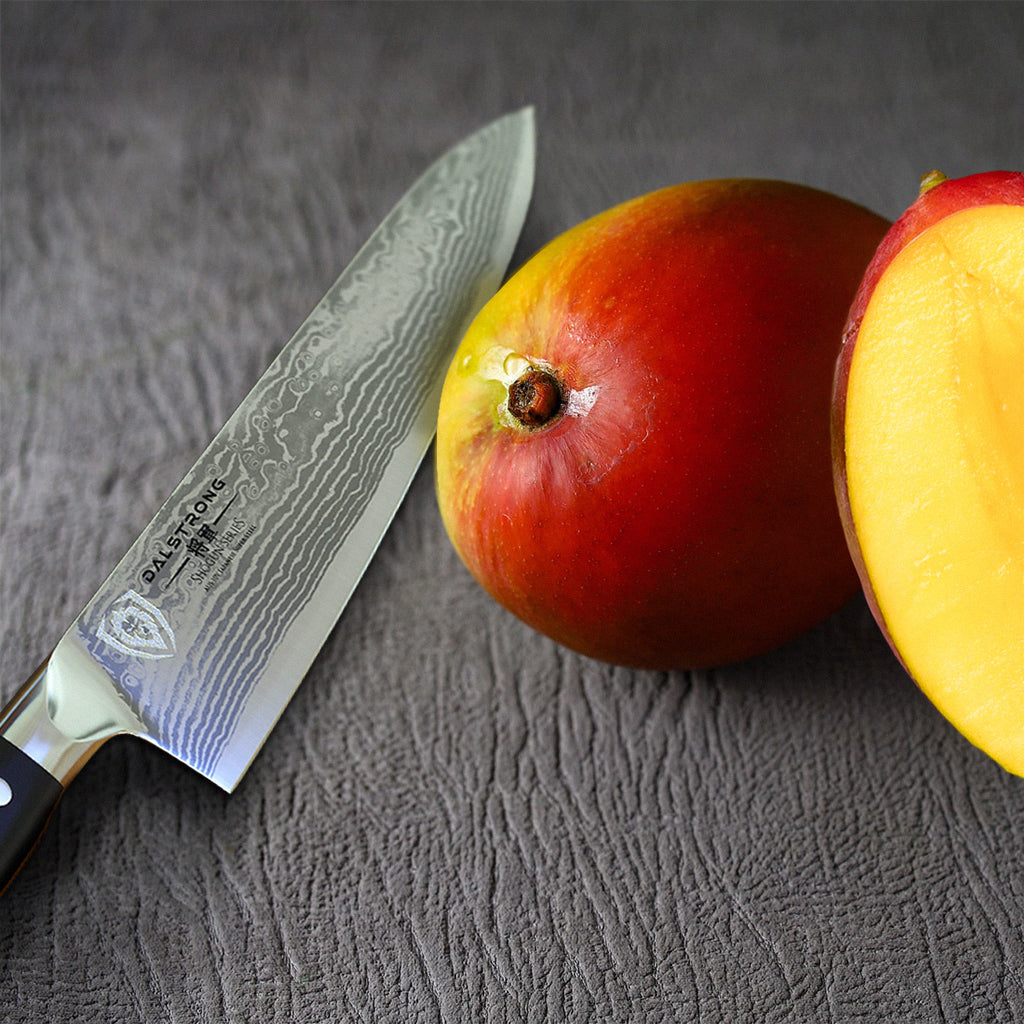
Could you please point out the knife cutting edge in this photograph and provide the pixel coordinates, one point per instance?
(201, 634)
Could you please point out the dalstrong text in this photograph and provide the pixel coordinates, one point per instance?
(192, 534)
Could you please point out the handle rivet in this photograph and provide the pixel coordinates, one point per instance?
(6, 793)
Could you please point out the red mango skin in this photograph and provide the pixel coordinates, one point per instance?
(687, 519)
(935, 203)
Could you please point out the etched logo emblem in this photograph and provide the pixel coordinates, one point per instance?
(135, 626)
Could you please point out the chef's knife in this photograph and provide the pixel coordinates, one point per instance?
(201, 634)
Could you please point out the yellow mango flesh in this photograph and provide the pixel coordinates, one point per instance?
(935, 468)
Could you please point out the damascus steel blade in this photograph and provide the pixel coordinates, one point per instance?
(201, 634)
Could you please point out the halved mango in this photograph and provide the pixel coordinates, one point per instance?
(933, 467)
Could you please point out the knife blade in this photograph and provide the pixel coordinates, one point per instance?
(201, 634)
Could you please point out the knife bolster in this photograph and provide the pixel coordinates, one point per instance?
(38, 757)
(28, 723)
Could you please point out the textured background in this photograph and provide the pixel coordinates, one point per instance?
(455, 820)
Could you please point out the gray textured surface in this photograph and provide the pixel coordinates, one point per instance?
(455, 820)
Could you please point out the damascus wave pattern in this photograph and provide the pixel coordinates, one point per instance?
(210, 621)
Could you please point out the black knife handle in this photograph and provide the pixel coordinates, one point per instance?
(28, 796)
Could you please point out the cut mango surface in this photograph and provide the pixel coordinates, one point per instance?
(934, 436)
